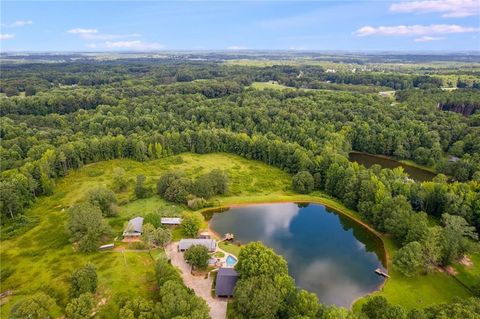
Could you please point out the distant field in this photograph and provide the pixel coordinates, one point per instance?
(269, 85)
(43, 257)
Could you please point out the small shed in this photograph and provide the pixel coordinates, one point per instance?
(225, 282)
(205, 235)
(171, 220)
(134, 227)
(107, 246)
(184, 244)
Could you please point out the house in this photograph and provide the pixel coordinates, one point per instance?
(171, 220)
(225, 282)
(184, 244)
(134, 227)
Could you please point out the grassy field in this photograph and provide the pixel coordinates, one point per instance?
(274, 85)
(420, 291)
(43, 258)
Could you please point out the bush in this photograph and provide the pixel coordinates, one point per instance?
(80, 308)
(197, 203)
(37, 306)
(120, 180)
(83, 280)
(141, 190)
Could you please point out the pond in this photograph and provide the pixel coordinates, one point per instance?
(368, 160)
(327, 253)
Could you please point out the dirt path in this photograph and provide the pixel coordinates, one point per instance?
(201, 286)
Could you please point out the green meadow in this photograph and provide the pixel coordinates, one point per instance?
(43, 257)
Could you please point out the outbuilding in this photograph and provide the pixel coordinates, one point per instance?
(134, 227)
(171, 221)
(184, 244)
(225, 283)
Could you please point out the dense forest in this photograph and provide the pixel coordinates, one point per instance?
(58, 117)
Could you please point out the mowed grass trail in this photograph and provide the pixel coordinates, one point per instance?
(43, 258)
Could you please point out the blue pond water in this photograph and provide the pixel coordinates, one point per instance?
(327, 253)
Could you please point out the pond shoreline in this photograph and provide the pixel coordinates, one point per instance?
(416, 172)
(338, 210)
(409, 163)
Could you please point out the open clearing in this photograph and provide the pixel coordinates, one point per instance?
(43, 257)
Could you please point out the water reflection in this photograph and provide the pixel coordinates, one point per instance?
(327, 254)
(369, 160)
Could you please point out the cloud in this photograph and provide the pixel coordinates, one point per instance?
(18, 23)
(413, 30)
(237, 47)
(82, 31)
(133, 45)
(448, 8)
(94, 34)
(5, 36)
(428, 39)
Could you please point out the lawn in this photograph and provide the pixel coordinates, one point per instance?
(420, 291)
(230, 248)
(43, 258)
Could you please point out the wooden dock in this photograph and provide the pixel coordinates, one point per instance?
(380, 272)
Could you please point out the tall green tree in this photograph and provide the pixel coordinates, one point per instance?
(191, 223)
(303, 182)
(105, 199)
(141, 190)
(409, 259)
(255, 259)
(86, 225)
(256, 297)
(197, 256)
(455, 238)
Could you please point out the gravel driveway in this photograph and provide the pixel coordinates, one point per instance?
(201, 286)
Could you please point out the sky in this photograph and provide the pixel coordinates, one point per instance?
(400, 25)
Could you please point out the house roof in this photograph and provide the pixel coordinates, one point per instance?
(134, 225)
(171, 220)
(226, 281)
(184, 244)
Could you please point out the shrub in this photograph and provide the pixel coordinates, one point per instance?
(83, 280)
(80, 308)
(37, 306)
(197, 203)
